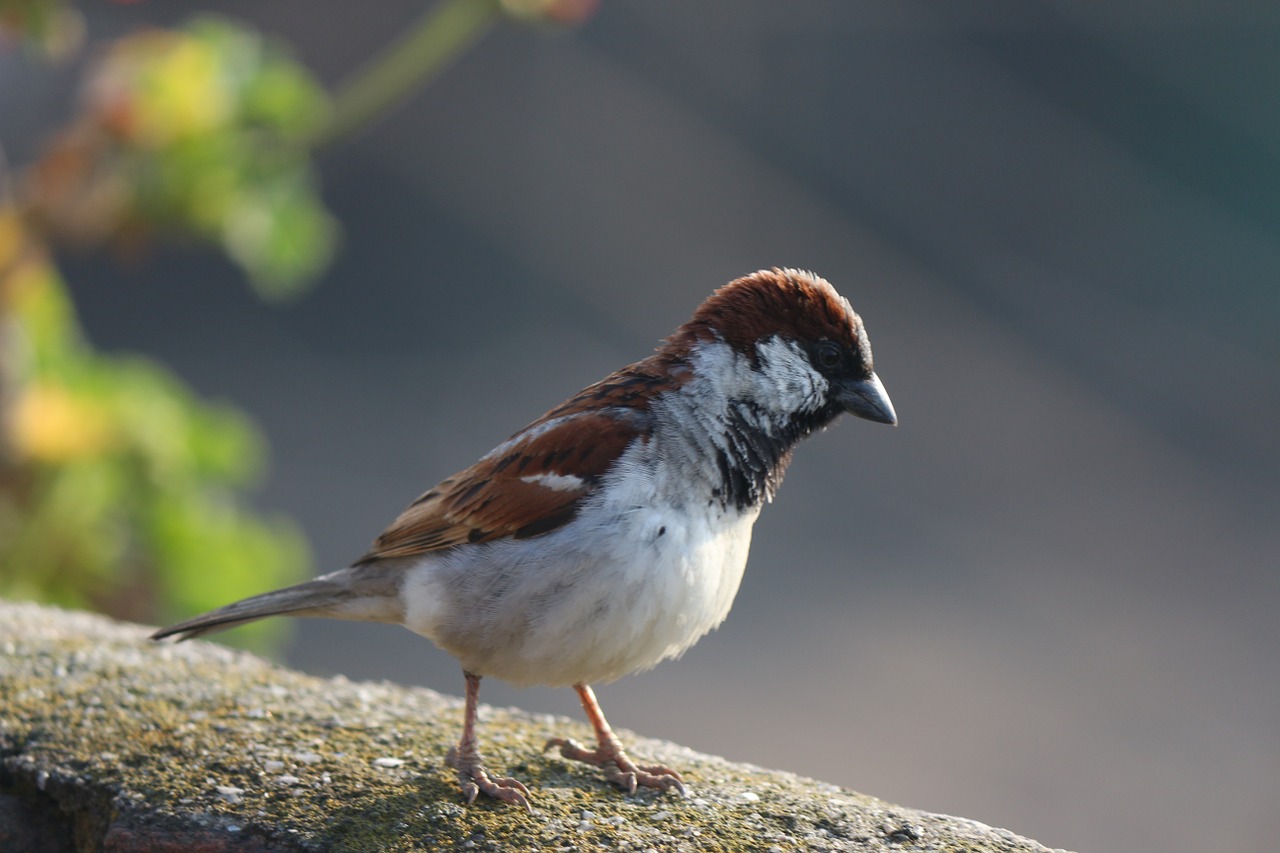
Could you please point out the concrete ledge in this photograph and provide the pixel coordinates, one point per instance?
(109, 742)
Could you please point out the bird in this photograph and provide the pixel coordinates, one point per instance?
(612, 532)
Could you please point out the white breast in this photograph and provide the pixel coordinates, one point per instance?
(638, 576)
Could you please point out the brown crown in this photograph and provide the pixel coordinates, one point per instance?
(791, 304)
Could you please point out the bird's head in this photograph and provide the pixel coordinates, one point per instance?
(786, 341)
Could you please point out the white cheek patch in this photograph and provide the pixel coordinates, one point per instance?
(784, 383)
(786, 368)
(555, 482)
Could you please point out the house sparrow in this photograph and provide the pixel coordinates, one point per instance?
(611, 533)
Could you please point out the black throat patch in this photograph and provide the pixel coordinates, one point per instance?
(754, 453)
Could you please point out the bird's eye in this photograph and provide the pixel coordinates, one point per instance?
(828, 354)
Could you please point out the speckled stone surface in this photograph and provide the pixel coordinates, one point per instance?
(110, 742)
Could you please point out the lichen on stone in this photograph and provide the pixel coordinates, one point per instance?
(128, 739)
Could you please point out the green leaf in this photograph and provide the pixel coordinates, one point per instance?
(282, 236)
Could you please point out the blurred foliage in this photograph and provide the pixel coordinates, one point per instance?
(192, 132)
(119, 490)
(556, 12)
(49, 27)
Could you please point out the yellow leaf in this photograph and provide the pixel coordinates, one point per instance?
(170, 86)
(50, 424)
(11, 236)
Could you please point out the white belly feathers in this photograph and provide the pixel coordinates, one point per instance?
(630, 587)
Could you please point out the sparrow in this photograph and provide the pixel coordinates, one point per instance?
(612, 532)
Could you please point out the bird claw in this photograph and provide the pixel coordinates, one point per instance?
(475, 780)
(619, 768)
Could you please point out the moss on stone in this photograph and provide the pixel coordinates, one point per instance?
(143, 739)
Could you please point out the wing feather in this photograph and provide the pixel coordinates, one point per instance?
(528, 485)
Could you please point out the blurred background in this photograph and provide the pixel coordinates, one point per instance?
(1047, 601)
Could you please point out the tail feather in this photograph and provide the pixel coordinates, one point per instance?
(316, 597)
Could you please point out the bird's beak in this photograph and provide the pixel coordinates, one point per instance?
(867, 398)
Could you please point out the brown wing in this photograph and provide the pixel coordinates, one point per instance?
(531, 484)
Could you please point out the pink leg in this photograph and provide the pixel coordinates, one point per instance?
(609, 755)
(465, 758)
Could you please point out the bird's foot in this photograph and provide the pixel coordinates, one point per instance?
(475, 780)
(619, 768)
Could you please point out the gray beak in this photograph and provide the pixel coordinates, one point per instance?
(867, 399)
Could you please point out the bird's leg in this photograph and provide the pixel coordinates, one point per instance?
(465, 758)
(610, 756)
